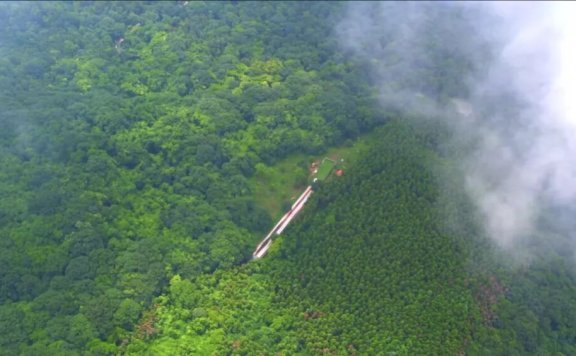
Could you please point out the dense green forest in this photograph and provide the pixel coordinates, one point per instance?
(130, 137)
(129, 132)
(371, 269)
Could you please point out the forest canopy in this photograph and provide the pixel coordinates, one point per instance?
(130, 137)
(129, 131)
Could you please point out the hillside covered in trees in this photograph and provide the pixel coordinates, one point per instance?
(372, 269)
(129, 131)
(129, 135)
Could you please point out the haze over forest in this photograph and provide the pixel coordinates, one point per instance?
(146, 148)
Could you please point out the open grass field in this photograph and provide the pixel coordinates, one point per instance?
(276, 187)
(325, 168)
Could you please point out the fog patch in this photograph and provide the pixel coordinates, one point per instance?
(501, 75)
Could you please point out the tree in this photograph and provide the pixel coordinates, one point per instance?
(81, 331)
(80, 268)
(127, 313)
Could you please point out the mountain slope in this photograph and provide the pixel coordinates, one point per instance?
(367, 269)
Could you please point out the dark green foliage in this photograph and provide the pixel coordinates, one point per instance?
(538, 315)
(367, 269)
(371, 268)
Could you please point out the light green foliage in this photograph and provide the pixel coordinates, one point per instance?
(276, 187)
(326, 167)
(129, 134)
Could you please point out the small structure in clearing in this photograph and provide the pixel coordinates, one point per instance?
(321, 171)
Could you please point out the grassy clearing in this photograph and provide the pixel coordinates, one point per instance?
(325, 168)
(277, 187)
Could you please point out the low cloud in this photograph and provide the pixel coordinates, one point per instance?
(503, 75)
